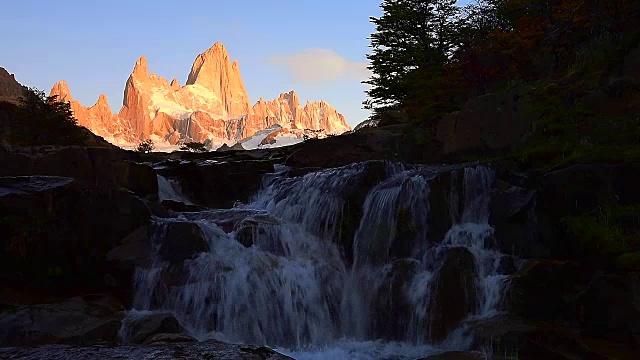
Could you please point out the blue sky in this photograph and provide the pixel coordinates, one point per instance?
(317, 48)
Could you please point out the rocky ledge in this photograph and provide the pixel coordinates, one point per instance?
(197, 351)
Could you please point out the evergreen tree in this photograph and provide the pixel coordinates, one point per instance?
(413, 42)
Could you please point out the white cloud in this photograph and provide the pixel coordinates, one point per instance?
(321, 65)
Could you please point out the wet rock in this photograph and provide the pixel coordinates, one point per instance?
(55, 232)
(354, 195)
(196, 351)
(507, 265)
(513, 215)
(262, 231)
(218, 184)
(181, 241)
(454, 293)
(179, 206)
(140, 329)
(135, 250)
(456, 355)
(392, 307)
(163, 338)
(158, 210)
(81, 321)
(443, 198)
(246, 234)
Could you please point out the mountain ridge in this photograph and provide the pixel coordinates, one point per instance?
(212, 106)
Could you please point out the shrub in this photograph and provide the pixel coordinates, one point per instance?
(145, 146)
(42, 120)
(193, 147)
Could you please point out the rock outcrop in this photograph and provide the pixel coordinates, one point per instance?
(56, 231)
(97, 118)
(493, 122)
(287, 112)
(213, 71)
(10, 89)
(213, 105)
(85, 320)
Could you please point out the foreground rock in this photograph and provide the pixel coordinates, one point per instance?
(456, 355)
(91, 319)
(152, 328)
(94, 166)
(198, 351)
(55, 232)
(455, 293)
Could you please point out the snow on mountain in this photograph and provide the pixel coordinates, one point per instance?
(212, 106)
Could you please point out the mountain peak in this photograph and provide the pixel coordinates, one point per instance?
(61, 89)
(102, 100)
(213, 71)
(175, 84)
(141, 70)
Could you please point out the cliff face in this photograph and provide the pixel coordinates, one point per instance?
(97, 118)
(10, 89)
(212, 105)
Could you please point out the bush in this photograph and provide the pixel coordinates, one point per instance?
(145, 146)
(193, 147)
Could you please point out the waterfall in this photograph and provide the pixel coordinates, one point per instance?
(170, 190)
(337, 256)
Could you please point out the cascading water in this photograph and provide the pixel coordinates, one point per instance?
(170, 190)
(290, 270)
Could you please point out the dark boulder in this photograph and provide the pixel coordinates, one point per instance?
(135, 250)
(583, 188)
(442, 202)
(164, 338)
(607, 308)
(55, 232)
(181, 240)
(354, 194)
(179, 206)
(262, 231)
(206, 350)
(492, 122)
(454, 293)
(456, 355)
(392, 308)
(217, 184)
(548, 290)
(140, 328)
(519, 227)
(91, 319)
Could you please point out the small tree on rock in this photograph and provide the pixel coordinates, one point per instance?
(145, 146)
(193, 147)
